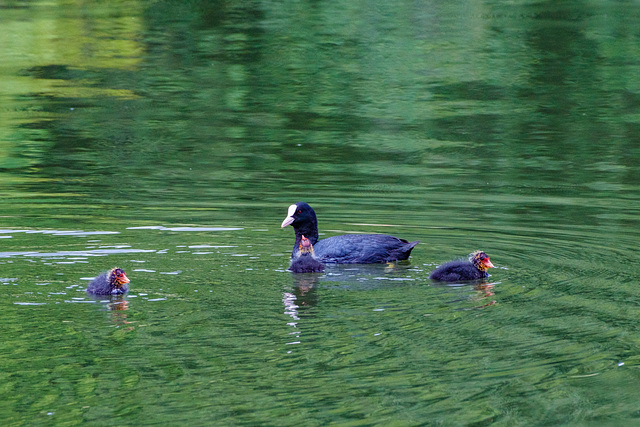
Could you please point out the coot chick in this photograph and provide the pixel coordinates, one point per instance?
(110, 282)
(474, 268)
(305, 260)
(348, 248)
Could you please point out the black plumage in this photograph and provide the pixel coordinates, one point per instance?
(347, 248)
(473, 268)
(110, 282)
(305, 260)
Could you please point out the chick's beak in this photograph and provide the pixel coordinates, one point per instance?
(287, 221)
(123, 279)
(488, 263)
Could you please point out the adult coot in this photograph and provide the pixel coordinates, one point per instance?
(305, 260)
(466, 269)
(110, 282)
(348, 248)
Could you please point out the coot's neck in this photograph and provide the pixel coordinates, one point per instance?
(308, 230)
(479, 267)
(306, 250)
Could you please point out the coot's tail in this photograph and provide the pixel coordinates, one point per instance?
(405, 251)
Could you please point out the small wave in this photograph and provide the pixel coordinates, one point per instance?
(91, 252)
(211, 246)
(162, 228)
(57, 232)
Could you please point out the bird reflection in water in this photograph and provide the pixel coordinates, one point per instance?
(118, 303)
(118, 306)
(484, 290)
(302, 296)
(479, 291)
(304, 289)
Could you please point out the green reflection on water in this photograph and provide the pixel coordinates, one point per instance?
(509, 128)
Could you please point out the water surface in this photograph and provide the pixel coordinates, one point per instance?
(170, 139)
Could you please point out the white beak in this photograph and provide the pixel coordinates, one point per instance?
(289, 219)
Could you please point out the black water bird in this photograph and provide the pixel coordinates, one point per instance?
(305, 260)
(347, 248)
(473, 268)
(110, 282)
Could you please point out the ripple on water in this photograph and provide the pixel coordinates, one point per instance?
(85, 253)
(58, 232)
(211, 246)
(162, 228)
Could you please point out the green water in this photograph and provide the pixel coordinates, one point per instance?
(169, 139)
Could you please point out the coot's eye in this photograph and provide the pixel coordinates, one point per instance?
(299, 210)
